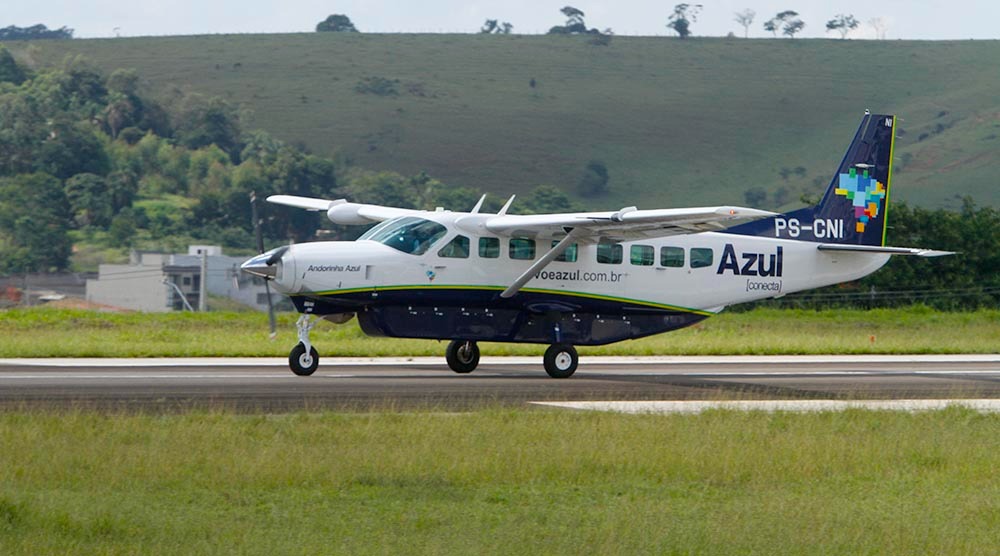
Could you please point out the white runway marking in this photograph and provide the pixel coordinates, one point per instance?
(178, 376)
(831, 373)
(585, 361)
(665, 407)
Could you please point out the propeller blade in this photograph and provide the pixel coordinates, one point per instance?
(256, 222)
(274, 258)
(259, 236)
(270, 312)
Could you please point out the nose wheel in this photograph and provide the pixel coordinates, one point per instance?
(561, 360)
(301, 362)
(462, 356)
(304, 359)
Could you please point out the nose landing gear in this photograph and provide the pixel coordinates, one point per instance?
(304, 359)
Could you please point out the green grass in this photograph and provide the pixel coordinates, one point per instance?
(500, 482)
(677, 123)
(43, 332)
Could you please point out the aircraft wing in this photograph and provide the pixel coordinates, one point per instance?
(626, 224)
(341, 211)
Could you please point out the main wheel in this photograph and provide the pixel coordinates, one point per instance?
(300, 362)
(462, 356)
(561, 360)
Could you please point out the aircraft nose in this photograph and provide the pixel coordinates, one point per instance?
(265, 265)
(258, 267)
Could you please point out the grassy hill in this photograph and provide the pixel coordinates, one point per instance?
(676, 123)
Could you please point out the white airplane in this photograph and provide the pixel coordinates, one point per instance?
(579, 278)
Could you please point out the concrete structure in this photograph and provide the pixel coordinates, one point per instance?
(156, 282)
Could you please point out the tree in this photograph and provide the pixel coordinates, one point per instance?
(10, 72)
(573, 15)
(682, 18)
(843, 24)
(574, 24)
(89, 201)
(34, 224)
(205, 122)
(880, 25)
(125, 108)
(72, 148)
(337, 23)
(13, 33)
(781, 21)
(745, 18)
(122, 229)
(122, 188)
(787, 22)
(793, 27)
(494, 27)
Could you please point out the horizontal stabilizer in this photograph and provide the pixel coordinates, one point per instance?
(881, 249)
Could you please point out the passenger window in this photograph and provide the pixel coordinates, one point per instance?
(457, 248)
(701, 257)
(609, 253)
(672, 257)
(489, 247)
(642, 255)
(569, 255)
(522, 249)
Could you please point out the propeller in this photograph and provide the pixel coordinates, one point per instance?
(273, 259)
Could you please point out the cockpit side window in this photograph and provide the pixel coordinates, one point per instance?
(457, 248)
(409, 234)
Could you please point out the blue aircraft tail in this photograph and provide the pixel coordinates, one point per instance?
(853, 208)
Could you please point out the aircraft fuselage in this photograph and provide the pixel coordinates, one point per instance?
(610, 292)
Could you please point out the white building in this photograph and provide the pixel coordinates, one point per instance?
(159, 282)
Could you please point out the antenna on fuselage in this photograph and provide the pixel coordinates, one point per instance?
(479, 205)
(506, 206)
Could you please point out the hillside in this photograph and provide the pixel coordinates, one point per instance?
(676, 123)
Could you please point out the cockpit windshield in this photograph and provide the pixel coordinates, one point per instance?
(409, 234)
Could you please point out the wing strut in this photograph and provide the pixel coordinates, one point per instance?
(542, 263)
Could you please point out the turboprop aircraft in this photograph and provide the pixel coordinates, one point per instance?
(572, 279)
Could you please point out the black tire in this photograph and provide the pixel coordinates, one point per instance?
(462, 356)
(561, 360)
(297, 360)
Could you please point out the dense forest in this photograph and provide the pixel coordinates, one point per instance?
(92, 161)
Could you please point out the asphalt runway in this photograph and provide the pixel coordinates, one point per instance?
(401, 384)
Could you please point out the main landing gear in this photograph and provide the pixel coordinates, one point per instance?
(560, 359)
(304, 358)
(462, 356)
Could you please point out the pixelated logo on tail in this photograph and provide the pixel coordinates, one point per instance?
(865, 193)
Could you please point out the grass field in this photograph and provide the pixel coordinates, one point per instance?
(43, 332)
(677, 123)
(500, 482)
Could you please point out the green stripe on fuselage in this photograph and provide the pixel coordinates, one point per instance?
(501, 288)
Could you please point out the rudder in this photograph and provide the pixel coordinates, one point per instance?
(853, 207)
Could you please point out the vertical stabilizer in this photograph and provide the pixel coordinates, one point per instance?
(853, 208)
